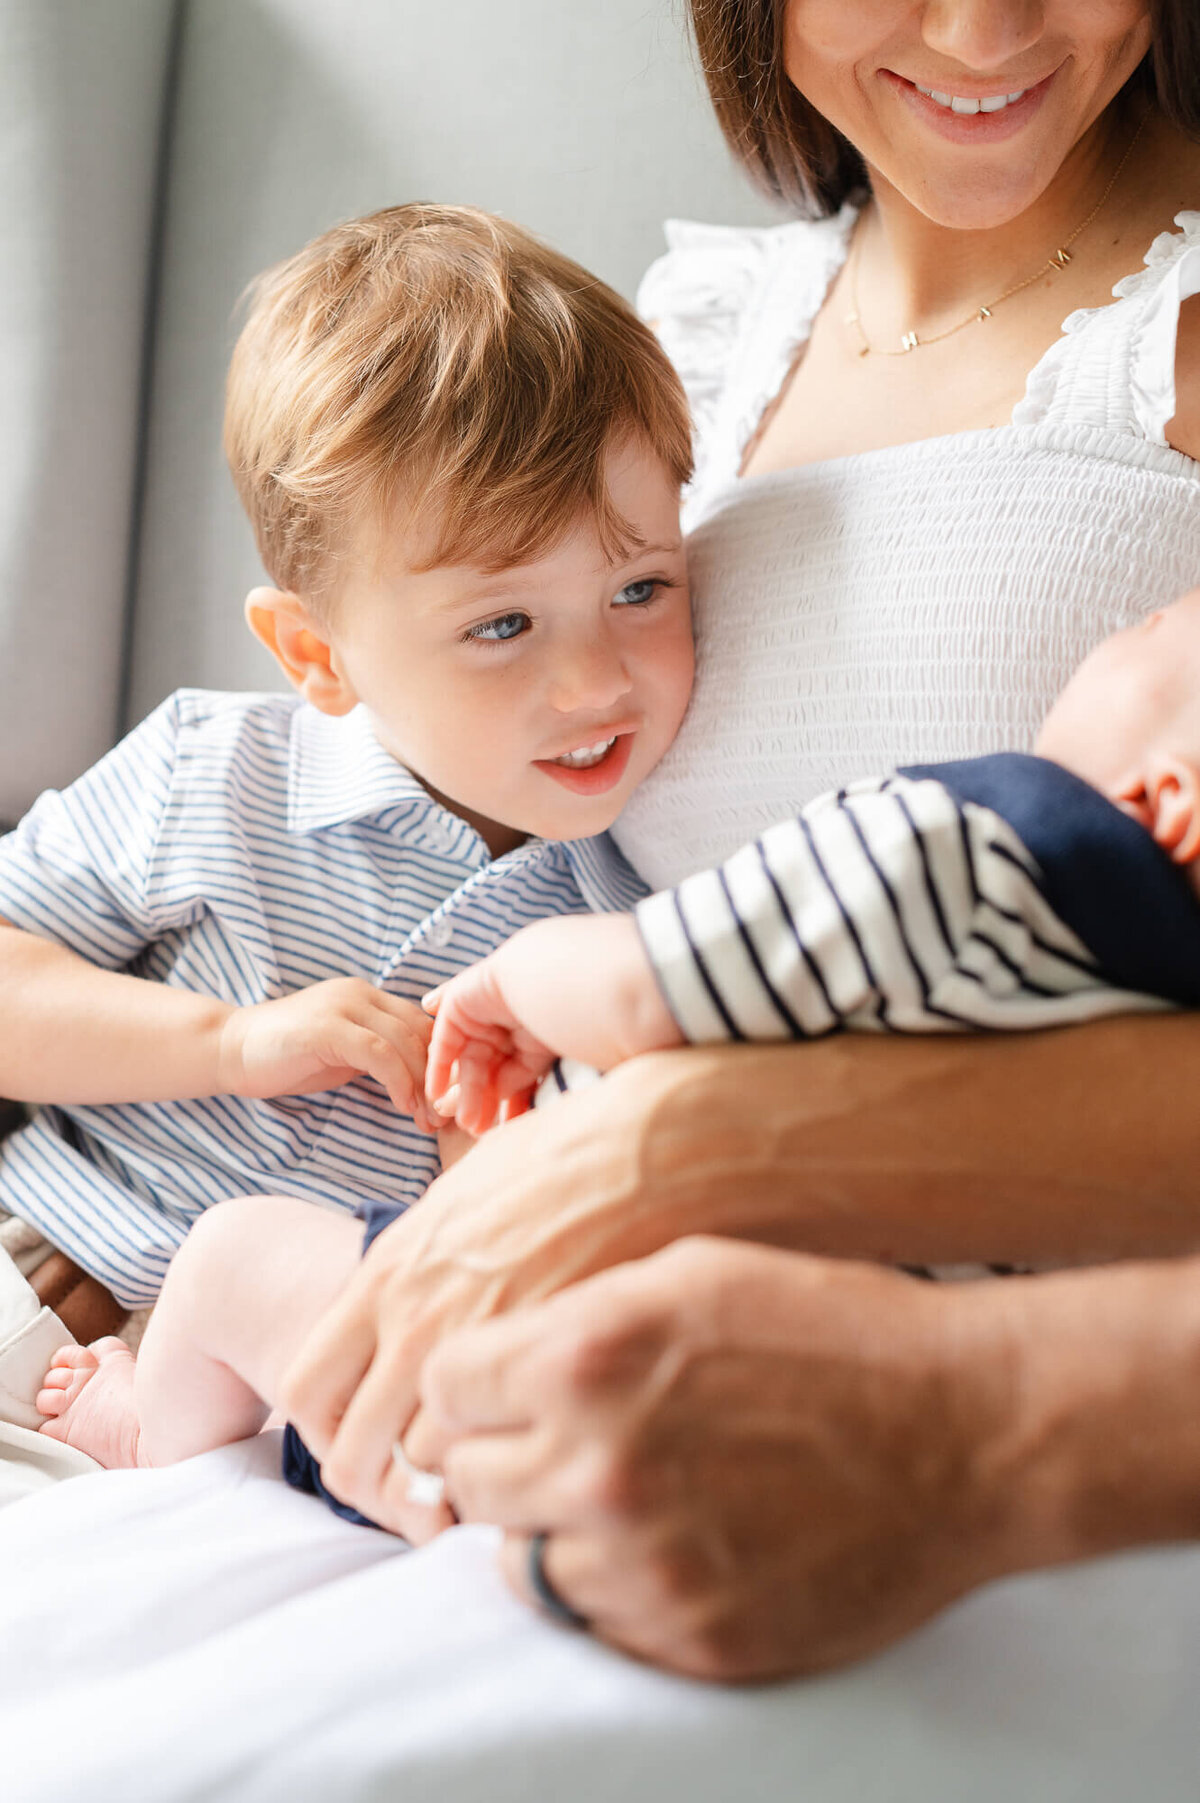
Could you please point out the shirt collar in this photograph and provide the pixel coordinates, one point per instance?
(338, 772)
(1102, 873)
(606, 880)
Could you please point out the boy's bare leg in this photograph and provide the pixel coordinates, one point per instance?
(242, 1292)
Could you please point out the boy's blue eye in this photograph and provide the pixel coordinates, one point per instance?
(636, 594)
(505, 626)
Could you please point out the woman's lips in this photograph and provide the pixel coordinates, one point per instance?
(972, 128)
(596, 779)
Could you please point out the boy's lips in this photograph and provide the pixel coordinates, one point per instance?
(592, 779)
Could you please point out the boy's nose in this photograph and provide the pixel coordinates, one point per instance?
(590, 678)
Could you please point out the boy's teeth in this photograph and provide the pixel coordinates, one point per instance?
(957, 104)
(586, 755)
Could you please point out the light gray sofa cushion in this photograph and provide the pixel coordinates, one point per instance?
(81, 92)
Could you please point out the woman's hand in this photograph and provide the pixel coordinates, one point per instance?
(1019, 1148)
(542, 1201)
(753, 1464)
(748, 1463)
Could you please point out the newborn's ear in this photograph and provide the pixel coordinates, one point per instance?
(1170, 807)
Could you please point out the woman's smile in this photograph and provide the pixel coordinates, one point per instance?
(969, 113)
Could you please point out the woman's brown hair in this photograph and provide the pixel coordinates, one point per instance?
(796, 155)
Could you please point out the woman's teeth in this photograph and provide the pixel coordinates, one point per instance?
(955, 103)
(586, 756)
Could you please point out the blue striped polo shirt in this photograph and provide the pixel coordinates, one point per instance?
(243, 846)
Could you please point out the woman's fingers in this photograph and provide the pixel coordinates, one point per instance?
(359, 1467)
(480, 1376)
(326, 1373)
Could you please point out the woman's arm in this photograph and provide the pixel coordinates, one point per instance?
(1053, 1147)
(752, 1464)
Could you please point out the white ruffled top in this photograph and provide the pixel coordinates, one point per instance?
(914, 603)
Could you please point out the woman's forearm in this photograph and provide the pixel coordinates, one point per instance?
(1067, 1147)
(1092, 1438)
(1047, 1148)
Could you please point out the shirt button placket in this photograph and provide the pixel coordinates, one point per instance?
(440, 933)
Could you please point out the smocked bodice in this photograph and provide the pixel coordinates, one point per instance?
(913, 603)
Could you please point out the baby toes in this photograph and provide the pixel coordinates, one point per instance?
(70, 1369)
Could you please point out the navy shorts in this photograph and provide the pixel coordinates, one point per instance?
(299, 1467)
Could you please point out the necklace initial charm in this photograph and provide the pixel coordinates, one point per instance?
(1055, 264)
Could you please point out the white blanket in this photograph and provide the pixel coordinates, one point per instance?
(202, 1632)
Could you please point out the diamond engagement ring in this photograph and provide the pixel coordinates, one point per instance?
(425, 1488)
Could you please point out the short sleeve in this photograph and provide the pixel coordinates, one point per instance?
(78, 868)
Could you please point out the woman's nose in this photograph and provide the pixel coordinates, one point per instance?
(983, 35)
(590, 676)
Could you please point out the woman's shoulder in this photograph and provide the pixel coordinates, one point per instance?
(716, 269)
(1132, 365)
(727, 297)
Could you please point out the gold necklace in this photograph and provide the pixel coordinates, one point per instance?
(1055, 264)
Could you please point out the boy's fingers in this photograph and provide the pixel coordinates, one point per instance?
(370, 1051)
(406, 1014)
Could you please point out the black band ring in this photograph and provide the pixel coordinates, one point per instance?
(547, 1596)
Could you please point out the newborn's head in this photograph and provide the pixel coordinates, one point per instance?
(1129, 723)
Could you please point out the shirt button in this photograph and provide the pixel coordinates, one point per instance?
(439, 837)
(440, 933)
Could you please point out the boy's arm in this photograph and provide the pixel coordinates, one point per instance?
(88, 880)
(75, 1033)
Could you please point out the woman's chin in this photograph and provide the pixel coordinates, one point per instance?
(970, 200)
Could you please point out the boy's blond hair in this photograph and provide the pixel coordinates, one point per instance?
(442, 362)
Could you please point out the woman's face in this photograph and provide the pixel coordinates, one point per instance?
(973, 157)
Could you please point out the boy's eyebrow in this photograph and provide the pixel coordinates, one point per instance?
(482, 587)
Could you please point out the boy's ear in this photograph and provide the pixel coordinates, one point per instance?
(281, 622)
(1166, 800)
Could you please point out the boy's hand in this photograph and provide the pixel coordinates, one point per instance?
(324, 1036)
(576, 987)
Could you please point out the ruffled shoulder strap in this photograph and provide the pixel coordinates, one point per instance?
(1171, 276)
(730, 305)
(1114, 366)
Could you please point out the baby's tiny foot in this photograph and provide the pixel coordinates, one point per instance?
(88, 1396)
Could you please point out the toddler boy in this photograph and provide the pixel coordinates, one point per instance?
(462, 457)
